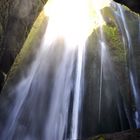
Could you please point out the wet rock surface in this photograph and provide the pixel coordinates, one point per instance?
(134, 5)
(133, 134)
(16, 20)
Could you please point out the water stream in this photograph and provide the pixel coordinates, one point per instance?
(131, 63)
(70, 92)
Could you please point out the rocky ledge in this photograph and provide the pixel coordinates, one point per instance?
(132, 134)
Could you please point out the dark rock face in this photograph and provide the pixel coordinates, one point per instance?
(4, 13)
(16, 19)
(124, 135)
(134, 5)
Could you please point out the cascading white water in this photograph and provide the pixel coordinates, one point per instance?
(59, 103)
(48, 100)
(132, 75)
(103, 47)
(78, 92)
(71, 30)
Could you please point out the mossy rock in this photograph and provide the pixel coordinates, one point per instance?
(100, 137)
(108, 16)
(28, 51)
(115, 43)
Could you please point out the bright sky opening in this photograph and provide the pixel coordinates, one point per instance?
(74, 20)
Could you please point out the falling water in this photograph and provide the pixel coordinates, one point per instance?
(101, 77)
(49, 81)
(48, 101)
(103, 47)
(78, 93)
(132, 71)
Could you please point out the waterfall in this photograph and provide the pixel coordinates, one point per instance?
(71, 88)
(132, 71)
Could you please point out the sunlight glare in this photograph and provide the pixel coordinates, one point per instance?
(73, 20)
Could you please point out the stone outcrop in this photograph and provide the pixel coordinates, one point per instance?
(133, 134)
(16, 20)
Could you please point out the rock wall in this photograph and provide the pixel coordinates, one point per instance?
(16, 20)
(134, 5)
(132, 134)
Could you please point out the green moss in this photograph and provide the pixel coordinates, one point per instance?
(101, 138)
(32, 37)
(115, 43)
(98, 138)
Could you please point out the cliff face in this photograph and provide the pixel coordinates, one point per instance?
(16, 19)
(134, 5)
(125, 135)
